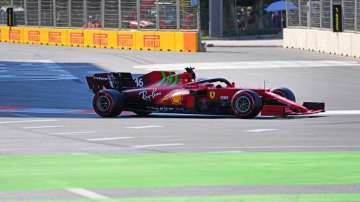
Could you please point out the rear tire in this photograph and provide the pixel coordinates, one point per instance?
(246, 104)
(108, 103)
(285, 92)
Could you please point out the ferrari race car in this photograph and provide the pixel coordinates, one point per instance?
(169, 92)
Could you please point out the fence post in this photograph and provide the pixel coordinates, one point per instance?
(25, 13)
(321, 12)
(39, 12)
(54, 12)
(299, 12)
(331, 14)
(286, 13)
(177, 15)
(355, 16)
(199, 19)
(138, 13)
(85, 20)
(102, 13)
(157, 15)
(309, 15)
(120, 17)
(69, 12)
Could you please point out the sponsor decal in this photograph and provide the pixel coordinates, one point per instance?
(337, 18)
(176, 99)
(125, 40)
(152, 41)
(54, 37)
(76, 38)
(212, 94)
(100, 78)
(15, 35)
(148, 97)
(34, 35)
(100, 39)
(171, 80)
(224, 97)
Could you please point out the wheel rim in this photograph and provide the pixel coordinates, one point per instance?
(243, 104)
(103, 103)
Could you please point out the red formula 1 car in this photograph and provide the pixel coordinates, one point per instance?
(166, 91)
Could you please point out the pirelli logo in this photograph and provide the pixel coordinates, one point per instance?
(76, 38)
(152, 41)
(34, 36)
(100, 39)
(15, 35)
(54, 37)
(125, 40)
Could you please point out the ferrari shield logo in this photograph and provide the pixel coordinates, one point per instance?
(212, 94)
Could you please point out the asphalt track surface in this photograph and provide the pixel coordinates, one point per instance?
(46, 110)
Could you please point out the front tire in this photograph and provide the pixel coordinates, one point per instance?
(285, 92)
(108, 103)
(246, 104)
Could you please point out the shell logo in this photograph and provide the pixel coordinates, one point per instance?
(176, 99)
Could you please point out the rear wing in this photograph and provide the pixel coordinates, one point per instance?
(111, 80)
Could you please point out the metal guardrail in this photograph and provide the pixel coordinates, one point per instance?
(121, 14)
(318, 14)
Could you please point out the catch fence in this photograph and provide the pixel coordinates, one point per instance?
(319, 14)
(119, 14)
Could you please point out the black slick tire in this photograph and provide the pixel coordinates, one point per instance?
(108, 103)
(285, 92)
(246, 104)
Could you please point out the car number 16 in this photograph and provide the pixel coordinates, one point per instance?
(139, 82)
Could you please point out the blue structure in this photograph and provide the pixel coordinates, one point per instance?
(280, 6)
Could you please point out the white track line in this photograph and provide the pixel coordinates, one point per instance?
(28, 121)
(260, 130)
(275, 64)
(87, 193)
(157, 145)
(42, 127)
(144, 127)
(220, 152)
(292, 147)
(75, 133)
(109, 138)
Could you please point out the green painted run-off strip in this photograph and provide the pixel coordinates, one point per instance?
(175, 170)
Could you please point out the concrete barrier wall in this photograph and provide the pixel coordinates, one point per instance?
(340, 43)
(130, 40)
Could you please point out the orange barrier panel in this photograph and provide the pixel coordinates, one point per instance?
(93, 38)
(190, 41)
(126, 40)
(57, 37)
(4, 34)
(109, 39)
(76, 38)
(32, 35)
(179, 41)
(16, 34)
(167, 41)
(148, 41)
(132, 40)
